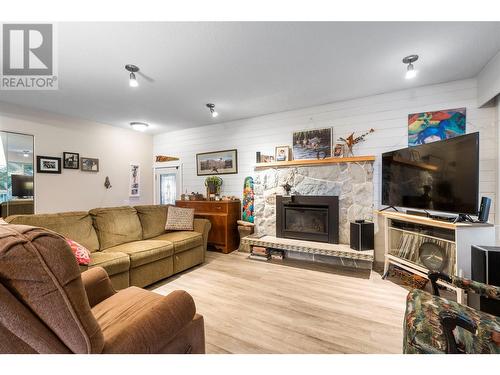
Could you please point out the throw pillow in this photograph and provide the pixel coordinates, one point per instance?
(82, 254)
(179, 218)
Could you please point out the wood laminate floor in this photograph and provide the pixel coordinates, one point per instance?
(257, 307)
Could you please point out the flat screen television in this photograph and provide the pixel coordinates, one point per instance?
(439, 176)
(22, 186)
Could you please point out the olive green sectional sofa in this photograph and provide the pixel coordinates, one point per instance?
(130, 243)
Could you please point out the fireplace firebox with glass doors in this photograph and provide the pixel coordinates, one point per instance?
(310, 218)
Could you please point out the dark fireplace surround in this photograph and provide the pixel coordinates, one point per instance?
(308, 217)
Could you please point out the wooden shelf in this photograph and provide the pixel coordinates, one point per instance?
(429, 221)
(293, 163)
(421, 235)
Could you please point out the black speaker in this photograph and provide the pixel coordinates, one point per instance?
(485, 268)
(484, 209)
(362, 235)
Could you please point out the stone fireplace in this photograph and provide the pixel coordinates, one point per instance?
(310, 218)
(351, 182)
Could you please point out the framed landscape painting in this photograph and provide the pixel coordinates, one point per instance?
(217, 162)
(427, 127)
(312, 144)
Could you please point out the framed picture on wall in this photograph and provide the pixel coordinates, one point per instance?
(427, 127)
(217, 162)
(312, 144)
(135, 176)
(48, 164)
(71, 160)
(89, 164)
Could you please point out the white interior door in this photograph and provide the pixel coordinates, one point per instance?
(168, 184)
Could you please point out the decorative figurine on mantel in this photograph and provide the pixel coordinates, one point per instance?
(350, 141)
(287, 187)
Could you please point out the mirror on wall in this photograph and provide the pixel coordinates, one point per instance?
(17, 191)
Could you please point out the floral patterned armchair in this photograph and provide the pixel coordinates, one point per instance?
(436, 325)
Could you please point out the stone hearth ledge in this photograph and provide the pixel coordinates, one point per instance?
(336, 254)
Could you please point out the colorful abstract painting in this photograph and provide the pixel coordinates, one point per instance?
(427, 127)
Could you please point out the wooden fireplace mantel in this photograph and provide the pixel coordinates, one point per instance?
(313, 162)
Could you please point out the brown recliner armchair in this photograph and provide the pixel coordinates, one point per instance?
(47, 307)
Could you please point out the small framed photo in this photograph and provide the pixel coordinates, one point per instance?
(48, 164)
(266, 158)
(89, 164)
(282, 153)
(338, 150)
(71, 160)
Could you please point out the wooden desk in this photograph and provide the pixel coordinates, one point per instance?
(223, 215)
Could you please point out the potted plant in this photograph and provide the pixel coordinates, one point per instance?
(213, 184)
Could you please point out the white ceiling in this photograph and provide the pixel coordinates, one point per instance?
(247, 69)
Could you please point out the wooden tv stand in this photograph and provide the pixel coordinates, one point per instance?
(403, 234)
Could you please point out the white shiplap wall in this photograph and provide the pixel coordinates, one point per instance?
(386, 113)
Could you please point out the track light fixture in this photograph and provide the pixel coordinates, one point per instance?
(213, 112)
(410, 69)
(139, 126)
(132, 69)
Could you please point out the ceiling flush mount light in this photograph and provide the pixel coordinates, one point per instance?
(26, 154)
(139, 126)
(132, 69)
(410, 69)
(213, 112)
